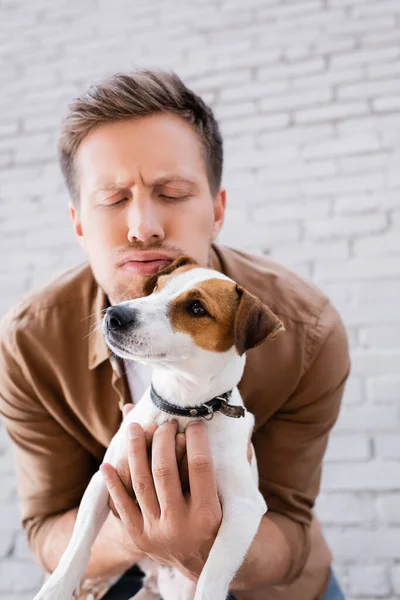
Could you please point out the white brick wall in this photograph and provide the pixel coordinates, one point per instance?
(308, 95)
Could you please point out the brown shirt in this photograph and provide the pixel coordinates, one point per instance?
(60, 396)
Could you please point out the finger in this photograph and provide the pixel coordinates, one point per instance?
(149, 432)
(165, 468)
(180, 447)
(184, 475)
(122, 468)
(202, 480)
(125, 506)
(126, 409)
(141, 476)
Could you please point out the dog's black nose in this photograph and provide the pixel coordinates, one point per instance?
(119, 317)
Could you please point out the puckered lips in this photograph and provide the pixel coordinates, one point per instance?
(145, 263)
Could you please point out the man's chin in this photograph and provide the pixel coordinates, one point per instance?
(127, 290)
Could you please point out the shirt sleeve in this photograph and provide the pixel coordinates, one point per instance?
(293, 442)
(52, 468)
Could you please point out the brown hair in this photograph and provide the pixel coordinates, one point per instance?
(132, 95)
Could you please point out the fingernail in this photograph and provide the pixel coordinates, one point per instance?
(134, 431)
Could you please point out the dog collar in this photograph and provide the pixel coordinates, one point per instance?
(205, 411)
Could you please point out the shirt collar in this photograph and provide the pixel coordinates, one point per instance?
(98, 349)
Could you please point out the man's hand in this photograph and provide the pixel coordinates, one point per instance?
(172, 527)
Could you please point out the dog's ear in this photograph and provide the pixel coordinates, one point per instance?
(254, 322)
(150, 284)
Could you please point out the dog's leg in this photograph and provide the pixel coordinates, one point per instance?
(242, 511)
(92, 513)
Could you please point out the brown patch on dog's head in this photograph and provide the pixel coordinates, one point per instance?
(254, 322)
(158, 280)
(230, 316)
(212, 330)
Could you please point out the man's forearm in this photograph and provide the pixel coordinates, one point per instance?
(112, 553)
(267, 561)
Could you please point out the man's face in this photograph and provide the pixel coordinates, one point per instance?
(144, 201)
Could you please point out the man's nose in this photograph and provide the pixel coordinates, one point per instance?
(120, 317)
(144, 222)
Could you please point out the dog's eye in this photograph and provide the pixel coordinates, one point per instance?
(196, 309)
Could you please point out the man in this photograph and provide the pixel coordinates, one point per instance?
(142, 158)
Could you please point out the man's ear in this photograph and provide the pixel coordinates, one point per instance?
(254, 322)
(150, 284)
(76, 222)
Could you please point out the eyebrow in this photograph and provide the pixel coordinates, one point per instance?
(162, 180)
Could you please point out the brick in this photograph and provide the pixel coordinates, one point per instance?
(357, 203)
(327, 79)
(383, 70)
(339, 227)
(354, 391)
(368, 291)
(375, 363)
(386, 104)
(284, 71)
(222, 79)
(364, 163)
(298, 135)
(364, 545)
(331, 112)
(290, 211)
(372, 581)
(22, 550)
(388, 506)
(357, 269)
(382, 336)
(371, 40)
(345, 508)
(365, 418)
(339, 147)
(387, 446)
(343, 185)
(384, 389)
(384, 7)
(275, 121)
(256, 159)
(19, 576)
(253, 89)
(379, 475)
(289, 11)
(365, 57)
(395, 576)
(307, 250)
(369, 89)
(360, 26)
(9, 517)
(367, 314)
(348, 447)
(297, 172)
(264, 236)
(229, 111)
(8, 488)
(296, 100)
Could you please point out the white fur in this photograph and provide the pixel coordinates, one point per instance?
(186, 375)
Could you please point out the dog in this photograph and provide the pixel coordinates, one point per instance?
(193, 326)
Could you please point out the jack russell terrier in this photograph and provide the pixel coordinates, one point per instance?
(193, 327)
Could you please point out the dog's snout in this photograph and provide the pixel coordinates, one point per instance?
(119, 317)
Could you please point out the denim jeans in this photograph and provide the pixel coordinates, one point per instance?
(131, 582)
